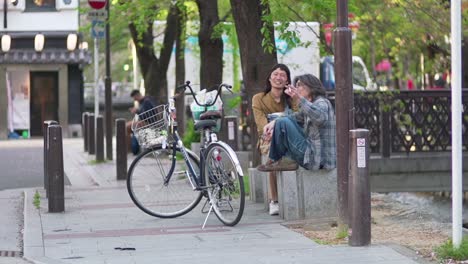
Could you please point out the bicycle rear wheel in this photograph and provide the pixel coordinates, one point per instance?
(225, 187)
(145, 183)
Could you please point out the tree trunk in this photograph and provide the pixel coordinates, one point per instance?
(211, 48)
(256, 63)
(154, 69)
(180, 66)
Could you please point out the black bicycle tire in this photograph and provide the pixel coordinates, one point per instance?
(142, 207)
(241, 186)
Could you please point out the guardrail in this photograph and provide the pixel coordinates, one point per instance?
(407, 121)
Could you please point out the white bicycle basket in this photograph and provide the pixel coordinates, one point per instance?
(150, 127)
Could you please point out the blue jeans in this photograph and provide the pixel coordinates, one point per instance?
(288, 140)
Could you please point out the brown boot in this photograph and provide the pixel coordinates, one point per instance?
(280, 165)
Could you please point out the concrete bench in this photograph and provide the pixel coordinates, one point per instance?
(302, 194)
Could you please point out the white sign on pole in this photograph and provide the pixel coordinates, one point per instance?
(97, 15)
(361, 152)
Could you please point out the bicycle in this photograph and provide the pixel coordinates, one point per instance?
(167, 180)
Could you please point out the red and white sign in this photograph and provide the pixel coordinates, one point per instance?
(97, 4)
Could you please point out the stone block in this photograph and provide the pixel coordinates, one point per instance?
(289, 195)
(320, 193)
(307, 194)
(256, 181)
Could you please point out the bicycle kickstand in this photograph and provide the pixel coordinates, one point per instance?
(208, 215)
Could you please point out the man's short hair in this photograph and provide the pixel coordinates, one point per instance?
(134, 92)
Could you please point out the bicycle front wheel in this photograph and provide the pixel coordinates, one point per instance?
(225, 186)
(147, 188)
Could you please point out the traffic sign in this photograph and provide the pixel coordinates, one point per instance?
(98, 28)
(97, 4)
(97, 15)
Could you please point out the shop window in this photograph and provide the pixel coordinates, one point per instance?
(40, 5)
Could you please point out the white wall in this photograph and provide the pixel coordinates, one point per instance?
(64, 19)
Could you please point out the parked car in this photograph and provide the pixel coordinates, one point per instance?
(361, 78)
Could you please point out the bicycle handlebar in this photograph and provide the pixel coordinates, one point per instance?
(187, 85)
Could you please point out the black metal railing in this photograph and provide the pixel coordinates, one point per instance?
(407, 121)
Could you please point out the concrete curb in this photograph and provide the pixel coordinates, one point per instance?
(33, 243)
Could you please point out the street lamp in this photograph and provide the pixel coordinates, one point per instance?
(72, 40)
(83, 45)
(39, 42)
(6, 43)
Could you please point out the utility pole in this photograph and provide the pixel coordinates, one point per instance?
(108, 89)
(344, 106)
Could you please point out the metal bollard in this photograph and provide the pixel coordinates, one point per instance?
(84, 122)
(45, 125)
(55, 169)
(121, 148)
(359, 188)
(91, 135)
(229, 131)
(99, 138)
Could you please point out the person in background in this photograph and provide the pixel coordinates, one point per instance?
(307, 136)
(272, 102)
(145, 103)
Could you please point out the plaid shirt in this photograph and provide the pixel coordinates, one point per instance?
(318, 121)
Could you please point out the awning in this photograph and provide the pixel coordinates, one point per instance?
(55, 56)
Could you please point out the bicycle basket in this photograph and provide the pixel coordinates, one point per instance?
(150, 127)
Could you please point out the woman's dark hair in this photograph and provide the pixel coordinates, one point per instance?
(274, 68)
(284, 68)
(314, 84)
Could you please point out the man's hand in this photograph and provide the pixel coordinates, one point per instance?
(292, 92)
(268, 130)
(132, 110)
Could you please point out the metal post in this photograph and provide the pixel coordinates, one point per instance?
(45, 133)
(229, 131)
(100, 138)
(121, 145)
(91, 135)
(457, 108)
(108, 89)
(96, 76)
(85, 130)
(360, 198)
(344, 105)
(386, 134)
(55, 169)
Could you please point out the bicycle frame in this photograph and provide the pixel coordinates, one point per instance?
(197, 181)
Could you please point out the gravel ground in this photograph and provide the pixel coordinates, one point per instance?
(419, 222)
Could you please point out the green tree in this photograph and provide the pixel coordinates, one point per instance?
(255, 60)
(140, 16)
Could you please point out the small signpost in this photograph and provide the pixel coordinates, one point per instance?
(98, 18)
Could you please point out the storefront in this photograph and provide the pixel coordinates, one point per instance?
(41, 68)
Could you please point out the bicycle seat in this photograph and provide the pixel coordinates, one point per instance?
(202, 124)
(210, 115)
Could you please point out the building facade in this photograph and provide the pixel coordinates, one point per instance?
(41, 62)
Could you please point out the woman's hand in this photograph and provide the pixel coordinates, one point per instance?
(268, 130)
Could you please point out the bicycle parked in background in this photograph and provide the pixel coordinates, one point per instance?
(167, 180)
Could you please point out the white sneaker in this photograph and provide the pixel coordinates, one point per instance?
(274, 208)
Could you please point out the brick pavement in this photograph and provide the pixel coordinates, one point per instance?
(101, 225)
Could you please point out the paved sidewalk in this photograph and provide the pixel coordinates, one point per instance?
(101, 225)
